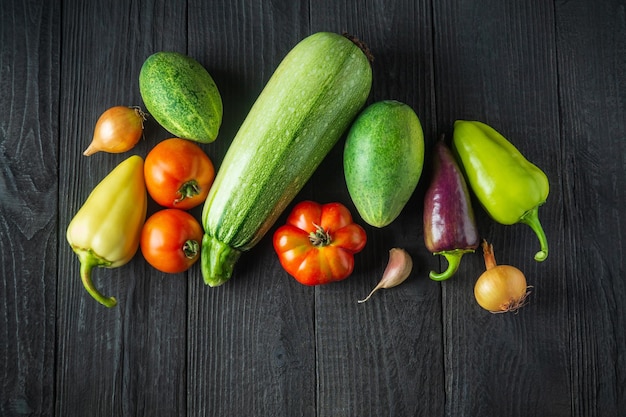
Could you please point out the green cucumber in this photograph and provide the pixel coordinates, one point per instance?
(383, 160)
(181, 96)
(307, 104)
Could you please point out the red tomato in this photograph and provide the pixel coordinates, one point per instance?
(178, 174)
(171, 240)
(318, 243)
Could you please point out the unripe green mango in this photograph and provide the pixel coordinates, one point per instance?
(383, 160)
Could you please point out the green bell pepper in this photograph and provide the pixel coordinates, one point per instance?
(507, 185)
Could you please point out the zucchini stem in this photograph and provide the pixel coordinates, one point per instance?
(217, 261)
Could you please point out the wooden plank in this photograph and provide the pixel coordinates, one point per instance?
(29, 79)
(591, 52)
(251, 341)
(495, 62)
(383, 357)
(550, 76)
(129, 360)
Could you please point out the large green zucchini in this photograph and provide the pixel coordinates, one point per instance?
(304, 109)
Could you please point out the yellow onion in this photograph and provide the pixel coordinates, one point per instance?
(501, 288)
(117, 130)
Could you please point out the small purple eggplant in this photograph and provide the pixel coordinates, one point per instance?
(449, 224)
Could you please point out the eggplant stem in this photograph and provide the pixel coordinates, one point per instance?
(454, 259)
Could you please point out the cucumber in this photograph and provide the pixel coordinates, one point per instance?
(383, 160)
(181, 96)
(307, 104)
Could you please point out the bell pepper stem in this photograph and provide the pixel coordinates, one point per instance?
(217, 261)
(531, 218)
(89, 260)
(454, 259)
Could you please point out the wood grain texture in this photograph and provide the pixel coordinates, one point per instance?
(592, 88)
(29, 80)
(383, 357)
(130, 360)
(495, 62)
(550, 76)
(252, 344)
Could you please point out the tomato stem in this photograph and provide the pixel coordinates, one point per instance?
(191, 248)
(319, 237)
(188, 190)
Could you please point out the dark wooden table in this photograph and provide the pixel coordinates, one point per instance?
(550, 75)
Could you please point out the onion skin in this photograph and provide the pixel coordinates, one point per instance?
(117, 130)
(449, 225)
(501, 288)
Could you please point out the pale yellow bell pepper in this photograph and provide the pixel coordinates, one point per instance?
(105, 232)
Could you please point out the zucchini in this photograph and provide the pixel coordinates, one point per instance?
(304, 109)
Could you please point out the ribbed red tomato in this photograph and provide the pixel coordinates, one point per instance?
(171, 240)
(318, 243)
(178, 174)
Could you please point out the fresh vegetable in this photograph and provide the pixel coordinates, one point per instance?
(299, 116)
(117, 130)
(449, 224)
(383, 159)
(501, 288)
(396, 272)
(178, 174)
(508, 186)
(318, 243)
(105, 231)
(170, 240)
(181, 95)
